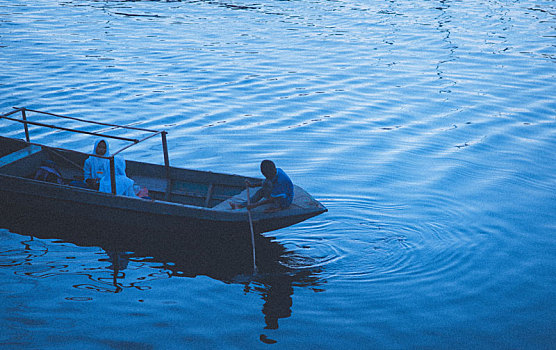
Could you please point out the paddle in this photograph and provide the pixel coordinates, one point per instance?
(251, 226)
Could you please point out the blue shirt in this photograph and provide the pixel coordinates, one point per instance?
(282, 187)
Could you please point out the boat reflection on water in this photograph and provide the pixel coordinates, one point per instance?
(227, 258)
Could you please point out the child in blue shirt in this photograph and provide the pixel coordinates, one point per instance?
(277, 188)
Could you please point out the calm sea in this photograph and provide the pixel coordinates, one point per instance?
(427, 128)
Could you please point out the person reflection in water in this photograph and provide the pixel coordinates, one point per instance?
(95, 167)
(278, 302)
(276, 189)
(119, 262)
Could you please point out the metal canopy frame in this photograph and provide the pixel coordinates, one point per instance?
(152, 133)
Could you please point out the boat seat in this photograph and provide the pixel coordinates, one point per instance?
(209, 195)
(17, 155)
(24, 162)
(203, 198)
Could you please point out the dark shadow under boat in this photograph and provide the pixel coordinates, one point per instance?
(228, 260)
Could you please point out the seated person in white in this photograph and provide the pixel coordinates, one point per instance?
(95, 167)
(124, 185)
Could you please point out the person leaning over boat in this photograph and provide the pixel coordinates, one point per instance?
(95, 167)
(124, 185)
(276, 189)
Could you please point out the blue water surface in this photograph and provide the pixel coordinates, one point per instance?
(427, 128)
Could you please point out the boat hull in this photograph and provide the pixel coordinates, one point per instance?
(46, 202)
(188, 203)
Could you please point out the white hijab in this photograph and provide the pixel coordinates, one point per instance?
(124, 185)
(95, 167)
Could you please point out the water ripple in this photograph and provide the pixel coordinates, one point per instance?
(427, 130)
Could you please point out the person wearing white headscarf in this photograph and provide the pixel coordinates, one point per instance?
(124, 185)
(95, 167)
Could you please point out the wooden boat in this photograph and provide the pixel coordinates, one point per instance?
(181, 201)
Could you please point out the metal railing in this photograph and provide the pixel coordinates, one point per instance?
(152, 133)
